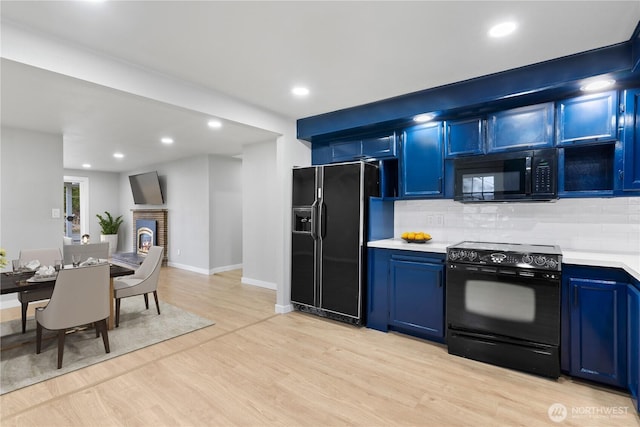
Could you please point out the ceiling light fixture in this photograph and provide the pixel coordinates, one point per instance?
(502, 29)
(167, 140)
(597, 85)
(86, 165)
(300, 91)
(423, 118)
(118, 155)
(214, 124)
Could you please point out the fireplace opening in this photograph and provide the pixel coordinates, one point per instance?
(145, 235)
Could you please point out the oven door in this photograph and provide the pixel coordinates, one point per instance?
(524, 305)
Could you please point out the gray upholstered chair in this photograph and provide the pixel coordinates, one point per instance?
(80, 297)
(143, 281)
(45, 256)
(89, 250)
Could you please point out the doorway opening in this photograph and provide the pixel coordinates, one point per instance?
(76, 208)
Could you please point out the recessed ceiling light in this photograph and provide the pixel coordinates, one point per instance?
(86, 165)
(598, 85)
(503, 29)
(214, 124)
(300, 91)
(422, 118)
(167, 140)
(118, 155)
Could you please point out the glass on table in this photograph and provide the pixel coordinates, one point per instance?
(58, 265)
(16, 266)
(75, 259)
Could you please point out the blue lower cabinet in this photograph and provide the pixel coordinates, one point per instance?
(378, 288)
(598, 330)
(416, 297)
(633, 343)
(406, 293)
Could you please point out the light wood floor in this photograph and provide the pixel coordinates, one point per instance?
(255, 368)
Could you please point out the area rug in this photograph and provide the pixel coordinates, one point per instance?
(21, 366)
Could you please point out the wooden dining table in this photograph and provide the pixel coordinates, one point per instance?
(17, 282)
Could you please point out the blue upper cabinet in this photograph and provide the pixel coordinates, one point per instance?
(631, 141)
(464, 137)
(421, 163)
(381, 147)
(375, 147)
(586, 119)
(521, 128)
(345, 151)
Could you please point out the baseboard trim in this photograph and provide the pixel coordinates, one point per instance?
(259, 283)
(208, 272)
(225, 268)
(283, 309)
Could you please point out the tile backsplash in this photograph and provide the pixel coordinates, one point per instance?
(593, 224)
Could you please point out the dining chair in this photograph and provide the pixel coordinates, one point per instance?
(80, 297)
(46, 256)
(89, 250)
(142, 282)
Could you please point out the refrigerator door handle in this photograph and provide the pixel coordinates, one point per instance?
(321, 220)
(314, 220)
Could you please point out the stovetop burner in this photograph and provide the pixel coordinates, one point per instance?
(545, 257)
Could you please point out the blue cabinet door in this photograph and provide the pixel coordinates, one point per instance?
(633, 343)
(421, 163)
(381, 147)
(378, 289)
(345, 151)
(320, 154)
(586, 119)
(463, 137)
(631, 141)
(598, 330)
(520, 128)
(416, 297)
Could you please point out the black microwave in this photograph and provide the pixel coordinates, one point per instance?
(517, 176)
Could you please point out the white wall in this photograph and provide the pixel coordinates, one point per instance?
(225, 213)
(260, 212)
(595, 224)
(290, 152)
(104, 195)
(185, 184)
(29, 48)
(31, 185)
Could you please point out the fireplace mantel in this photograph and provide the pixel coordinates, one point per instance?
(158, 215)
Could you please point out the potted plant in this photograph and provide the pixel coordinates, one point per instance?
(109, 228)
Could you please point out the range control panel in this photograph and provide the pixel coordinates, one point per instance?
(507, 257)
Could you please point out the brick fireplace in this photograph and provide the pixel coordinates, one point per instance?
(144, 233)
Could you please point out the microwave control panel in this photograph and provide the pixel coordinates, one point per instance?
(544, 172)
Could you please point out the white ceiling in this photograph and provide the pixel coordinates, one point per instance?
(347, 53)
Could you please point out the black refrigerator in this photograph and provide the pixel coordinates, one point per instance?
(328, 242)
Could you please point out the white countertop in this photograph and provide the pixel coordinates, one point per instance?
(627, 261)
(430, 246)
